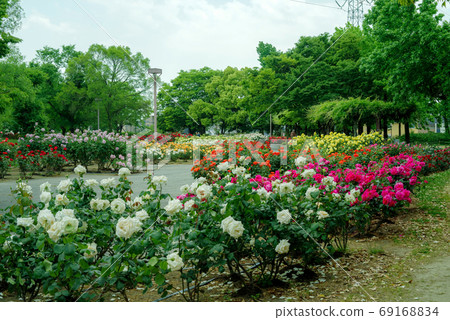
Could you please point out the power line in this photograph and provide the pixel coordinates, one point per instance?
(317, 4)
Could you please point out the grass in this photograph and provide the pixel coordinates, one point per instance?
(434, 197)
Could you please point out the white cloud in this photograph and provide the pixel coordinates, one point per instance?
(179, 34)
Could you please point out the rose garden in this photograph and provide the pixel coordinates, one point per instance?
(253, 216)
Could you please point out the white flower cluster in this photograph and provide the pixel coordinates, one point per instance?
(234, 228)
(159, 180)
(99, 204)
(329, 182)
(46, 186)
(91, 250)
(309, 173)
(300, 161)
(352, 195)
(239, 171)
(64, 222)
(285, 188)
(46, 197)
(189, 205)
(223, 166)
(136, 203)
(108, 183)
(126, 227)
(24, 188)
(142, 215)
(91, 183)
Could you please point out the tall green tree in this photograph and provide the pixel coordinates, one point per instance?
(11, 14)
(411, 51)
(176, 101)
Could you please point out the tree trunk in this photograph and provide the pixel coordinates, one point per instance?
(360, 128)
(378, 124)
(407, 136)
(446, 125)
(385, 129)
(399, 130)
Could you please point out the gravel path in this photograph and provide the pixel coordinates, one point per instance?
(177, 175)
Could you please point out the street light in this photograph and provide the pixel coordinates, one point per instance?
(154, 72)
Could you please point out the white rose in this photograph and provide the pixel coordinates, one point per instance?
(80, 170)
(252, 242)
(193, 187)
(282, 247)
(204, 191)
(46, 218)
(308, 173)
(322, 214)
(328, 181)
(118, 206)
(61, 200)
(25, 188)
(235, 229)
(108, 183)
(46, 197)
(188, 205)
(239, 171)
(241, 158)
(263, 193)
(137, 203)
(309, 191)
(174, 206)
(350, 198)
(223, 166)
(300, 161)
(355, 192)
(159, 180)
(201, 180)
(126, 227)
(91, 183)
(91, 250)
(69, 224)
(55, 231)
(286, 187)
(284, 216)
(336, 196)
(123, 172)
(25, 222)
(64, 185)
(46, 186)
(184, 188)
(64, 213)
(225, 224)
(104, 204)
(142, 215)
(174, 261)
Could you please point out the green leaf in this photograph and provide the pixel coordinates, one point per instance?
(160, 279)
(153, 261)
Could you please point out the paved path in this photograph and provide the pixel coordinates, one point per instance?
(177, 175)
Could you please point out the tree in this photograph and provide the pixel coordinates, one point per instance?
(10, 17)
(116, 81)
(175, 100)
(411, 51)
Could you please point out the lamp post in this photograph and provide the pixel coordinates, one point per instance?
(154, 72)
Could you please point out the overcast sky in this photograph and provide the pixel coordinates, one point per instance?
(178, 34)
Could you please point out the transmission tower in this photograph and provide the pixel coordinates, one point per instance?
(355, 10)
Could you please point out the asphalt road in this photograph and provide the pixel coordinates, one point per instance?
(177, 175)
